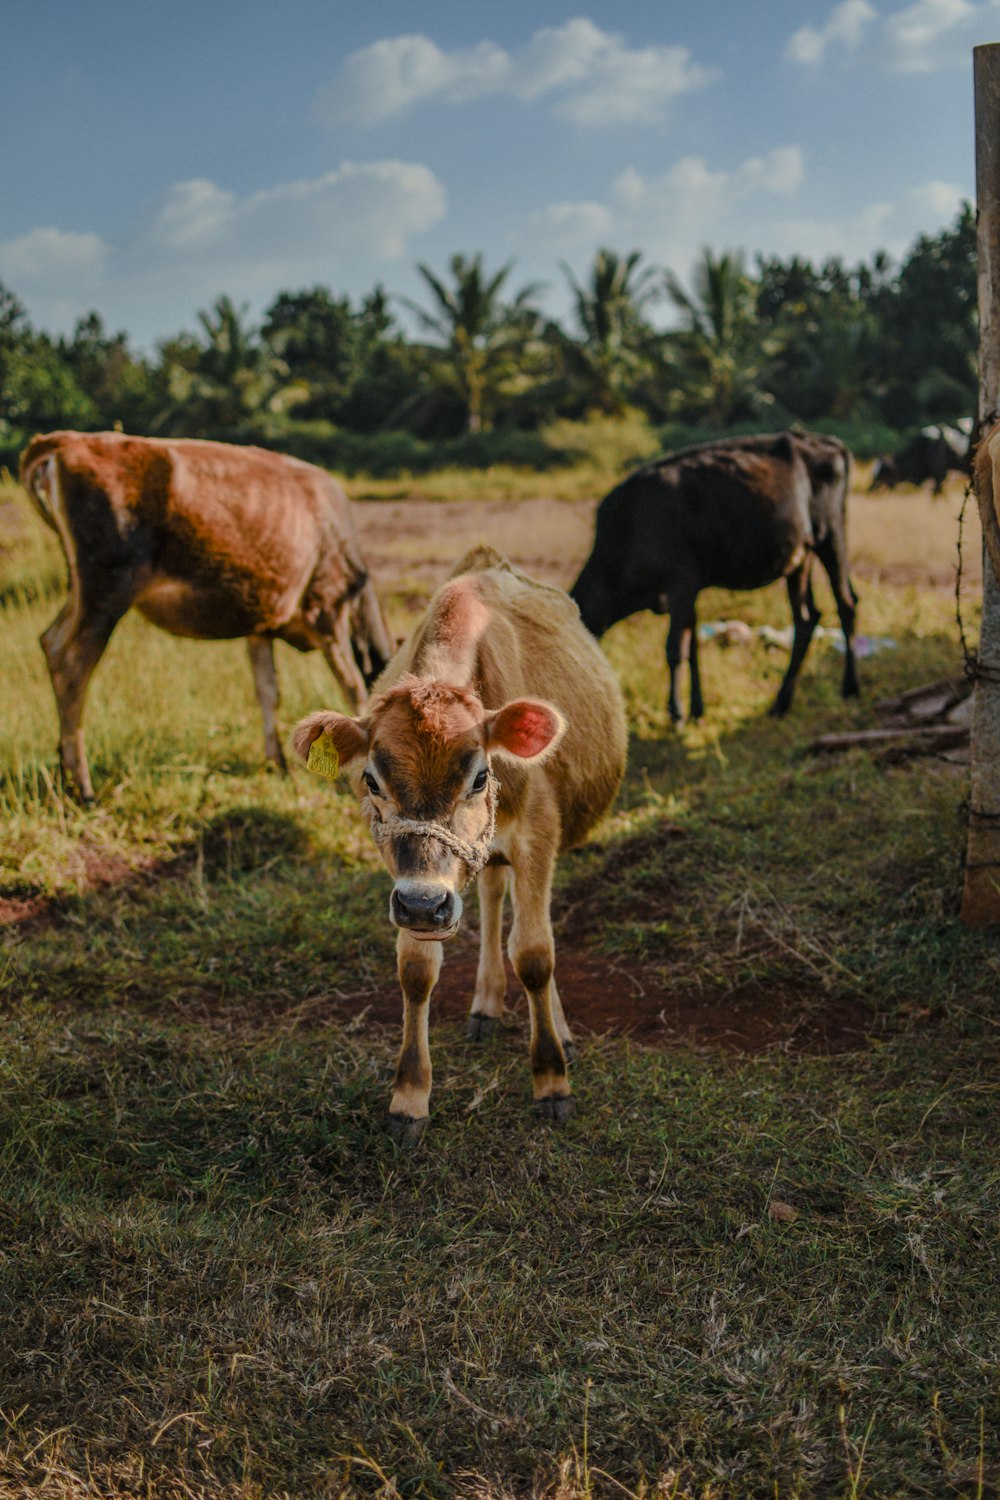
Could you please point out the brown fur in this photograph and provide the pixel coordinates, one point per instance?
(206, 540)
(500, 667)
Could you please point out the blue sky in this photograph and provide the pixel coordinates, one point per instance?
(155, 157)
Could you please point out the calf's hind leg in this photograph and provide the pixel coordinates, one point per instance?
(532, 953)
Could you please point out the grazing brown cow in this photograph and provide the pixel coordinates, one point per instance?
(457, 699)
(207, 540)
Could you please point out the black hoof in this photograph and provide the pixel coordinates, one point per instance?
(556, 1109)
(406, 1131)
(481, 1028)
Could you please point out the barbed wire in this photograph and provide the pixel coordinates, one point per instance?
(970, 656)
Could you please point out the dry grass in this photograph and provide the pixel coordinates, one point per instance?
(729, 1276)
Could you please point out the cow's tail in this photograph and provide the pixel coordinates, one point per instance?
(39, 474)
(372, 643)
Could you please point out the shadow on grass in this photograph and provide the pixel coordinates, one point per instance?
(746, 896)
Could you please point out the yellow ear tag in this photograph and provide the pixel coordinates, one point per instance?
(323, 757)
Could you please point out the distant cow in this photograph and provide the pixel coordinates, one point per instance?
(736, 514)
(931, 454)
(499, 673)
(207, 540)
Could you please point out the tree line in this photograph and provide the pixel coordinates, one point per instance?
(877, 347)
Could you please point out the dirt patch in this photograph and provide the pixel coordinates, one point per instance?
(603, 995)
(612, 998)
(96, 869)
(419, 541)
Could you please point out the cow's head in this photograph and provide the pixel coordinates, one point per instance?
(885, 475)
(420, 761)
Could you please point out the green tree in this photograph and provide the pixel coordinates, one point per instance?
(317, 337)
(480, 338)
(928, 327)
(823, 335)
(359, 370)
(611, 350)
(719, 357)
(227, 383)
(120, 386)
(38, 392)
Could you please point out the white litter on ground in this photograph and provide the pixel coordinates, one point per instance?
(738, 632)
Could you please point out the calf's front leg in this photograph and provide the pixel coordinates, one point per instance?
(491, 979)
(418, 965)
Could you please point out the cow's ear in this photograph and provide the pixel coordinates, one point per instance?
(349, 737)
(527, 728)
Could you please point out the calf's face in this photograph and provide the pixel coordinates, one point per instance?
(420, 762)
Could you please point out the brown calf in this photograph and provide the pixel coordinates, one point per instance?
(206, 540)
(458, 699)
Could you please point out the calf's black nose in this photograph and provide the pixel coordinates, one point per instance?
(426, 909)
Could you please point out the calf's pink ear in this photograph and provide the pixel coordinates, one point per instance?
(350, 736)
(526, 727)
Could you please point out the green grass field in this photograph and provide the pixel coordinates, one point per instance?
(737, 1272)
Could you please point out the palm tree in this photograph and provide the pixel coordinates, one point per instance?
(480, 336)
(608, 357)
(719, 355)
(226, 380)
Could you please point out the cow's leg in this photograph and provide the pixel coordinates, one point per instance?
(340, 658)
(833, 555)
(805, 616)
(73, 644)
(532, 953)
(418, 965)
(562, 1025)
(697, 705)
(265, 679)
(491, 976)
(679, 651)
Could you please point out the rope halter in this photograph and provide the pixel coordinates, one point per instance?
(473, 856)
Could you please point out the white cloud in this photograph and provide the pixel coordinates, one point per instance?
(672, 214)
(852, 238)
(922, 37)
(386, 78)
(200, 239)
(43, 253)
(566, 224)
(596, 78)
(372, 208)
(847, 24)
(889, 224)
(695, 197)
(937, 200)
(780, 171)
(918, 38)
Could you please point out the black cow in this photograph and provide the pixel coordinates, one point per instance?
(930, 454)
(736, 514)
